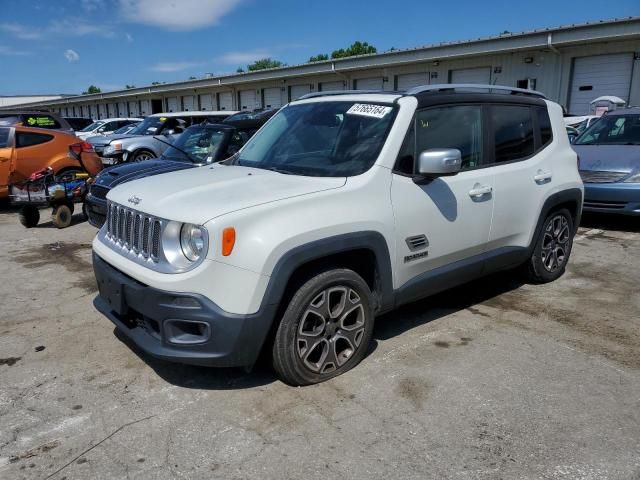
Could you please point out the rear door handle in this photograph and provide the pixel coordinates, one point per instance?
(542, 177)
(480, 190)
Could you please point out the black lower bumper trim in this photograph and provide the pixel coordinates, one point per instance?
(140, 313)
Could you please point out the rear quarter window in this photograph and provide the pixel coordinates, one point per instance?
(544, 124)
(29, 139)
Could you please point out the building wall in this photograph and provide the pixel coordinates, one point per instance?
(508, 60)
(18, 100)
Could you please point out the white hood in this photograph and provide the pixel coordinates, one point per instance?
(197, 195)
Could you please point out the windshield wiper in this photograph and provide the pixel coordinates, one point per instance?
(193, 160)
(278, 170)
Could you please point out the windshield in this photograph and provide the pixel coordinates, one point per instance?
(327, 139)
(92, 127)
(149, 126)
(124, 129)
(612, 130)
(201, 144)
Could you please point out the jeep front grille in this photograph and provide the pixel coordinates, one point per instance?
(134, 231)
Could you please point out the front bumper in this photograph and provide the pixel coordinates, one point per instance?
(179, 327)
(96, 209)
(619, 198)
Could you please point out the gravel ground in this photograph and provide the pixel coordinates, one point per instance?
(495, 379)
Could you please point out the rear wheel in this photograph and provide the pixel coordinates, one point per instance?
(61, 216)
(325, 330)
(29, 216)
(553, 248)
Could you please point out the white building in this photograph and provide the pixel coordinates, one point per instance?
(571, 64)
(10, 100)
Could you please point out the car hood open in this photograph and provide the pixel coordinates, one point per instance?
(198, 195)
(610, 158)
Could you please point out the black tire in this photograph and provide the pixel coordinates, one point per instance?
(313, 334)
(142, 155)
(552, 249)
(61, 216)
(85, 210)
(29, 216)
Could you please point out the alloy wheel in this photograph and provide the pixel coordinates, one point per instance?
(331, 329)
(555, 243)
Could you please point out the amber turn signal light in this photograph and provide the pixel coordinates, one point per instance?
(228, 241)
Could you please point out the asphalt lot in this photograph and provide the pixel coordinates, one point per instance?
(492, 380)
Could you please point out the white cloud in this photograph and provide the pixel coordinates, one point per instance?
(233, 58)
(174, 66)
(91, 5)
(176, 14)
(129, 37)
(21, 31)
(71, 55)
(4, 50)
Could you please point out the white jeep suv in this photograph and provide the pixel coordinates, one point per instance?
(343, 206)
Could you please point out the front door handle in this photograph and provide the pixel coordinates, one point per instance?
(480, 190)
(542, 177)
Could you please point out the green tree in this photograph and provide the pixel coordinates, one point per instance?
(155, 83)
(240, 70)
(264, 63)
(129, 87)
(357, 48)
(92, 89)
(192, 77)
(319, 58)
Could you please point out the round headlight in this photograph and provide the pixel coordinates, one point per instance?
(192, 241)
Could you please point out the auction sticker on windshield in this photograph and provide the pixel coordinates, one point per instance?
(368, 110)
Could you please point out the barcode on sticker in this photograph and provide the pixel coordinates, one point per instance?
(368, 110)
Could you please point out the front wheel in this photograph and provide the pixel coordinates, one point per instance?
(551, 252)
(143, 155)
(325, 330)
(61, 216)
(29, 216)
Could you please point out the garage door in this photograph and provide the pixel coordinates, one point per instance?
(225, 101)
(172, 104)
(373, 83)
(145, 107)
(331, 86)
(471, 75)
(134, 110)
(206, 101)
(122, 109)
(247, 100)
(599, 75)
(410, 80)
(189, 103)
(94, 112)
(297, 91)
(103, 110)
(272, 97)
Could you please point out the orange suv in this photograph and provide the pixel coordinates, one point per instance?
(25, 150)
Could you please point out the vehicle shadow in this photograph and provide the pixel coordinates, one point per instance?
(437, 306)
(203, 378)
(618, 223)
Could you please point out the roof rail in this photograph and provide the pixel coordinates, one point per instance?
(340, 92)
(457, 86)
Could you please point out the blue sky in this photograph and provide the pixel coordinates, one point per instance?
(63, 46)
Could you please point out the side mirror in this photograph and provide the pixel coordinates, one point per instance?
(438, 162)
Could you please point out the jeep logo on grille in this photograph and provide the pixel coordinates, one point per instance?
(135, 200)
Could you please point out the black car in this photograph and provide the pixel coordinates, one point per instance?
(199, 145)
(78, 123)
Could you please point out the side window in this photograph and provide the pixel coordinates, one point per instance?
(513, 132)
(4, 137)
(28, 139)
(544, 123)
(237, 140)
(457, 126)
